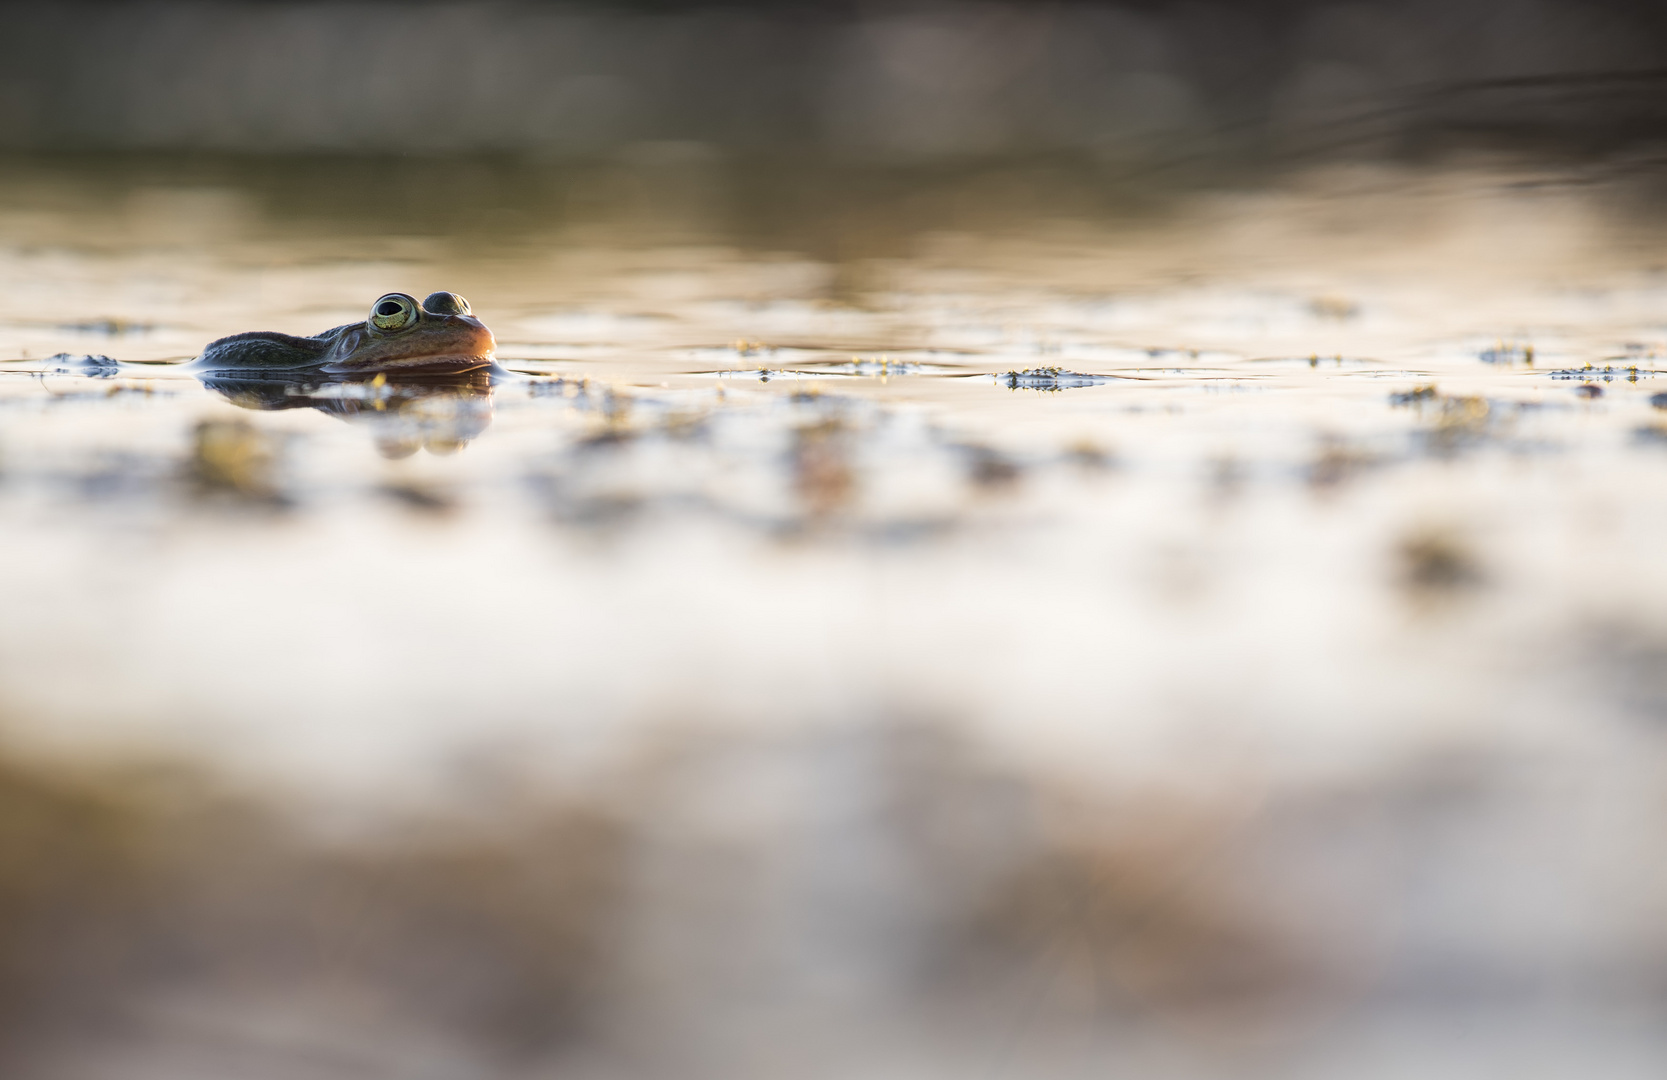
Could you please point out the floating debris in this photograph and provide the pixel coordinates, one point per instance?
(420, 497)
(552, 386)
(822, 474)
(1090, 456)
(1336, 463)
(1433, 561)
(882, 366)
(767, 374)
(93, 367)
(233, 457)
(686, 426)
(1508, 353)
(607, 437)
(109, 327)
(1338, 308)
(1607, 373)
(1144, 934)
(1462, 420)
(1048, 378)
(1659, 400)
(1459, 418)
(1589, 390)
(990, 469)
(1415, 396)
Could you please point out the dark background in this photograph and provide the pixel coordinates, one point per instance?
(1126, 83)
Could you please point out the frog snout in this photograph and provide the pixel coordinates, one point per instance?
(470, 328)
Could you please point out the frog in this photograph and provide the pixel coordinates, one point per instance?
(400, 335)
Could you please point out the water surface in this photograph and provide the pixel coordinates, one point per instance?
(1235, 506)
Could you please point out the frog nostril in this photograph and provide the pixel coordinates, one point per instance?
(446, 303)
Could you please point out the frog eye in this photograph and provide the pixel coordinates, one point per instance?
(396, 311)
(446, 303)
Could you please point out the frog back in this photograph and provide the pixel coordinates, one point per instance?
(267, 351)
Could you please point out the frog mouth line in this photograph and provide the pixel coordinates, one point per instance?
(426, 363)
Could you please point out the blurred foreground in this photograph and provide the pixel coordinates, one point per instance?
(844, 902)
(884, 622)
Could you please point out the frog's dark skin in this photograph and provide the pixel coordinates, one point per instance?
(439, 335)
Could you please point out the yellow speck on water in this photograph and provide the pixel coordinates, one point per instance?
(380, 381)
(1462, 416)
(235, 457)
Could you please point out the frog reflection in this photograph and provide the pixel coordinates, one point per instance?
(405, 413)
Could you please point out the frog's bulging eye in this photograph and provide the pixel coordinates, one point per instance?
(446, 303)
(396, 311)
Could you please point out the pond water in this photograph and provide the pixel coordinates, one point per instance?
(1289, 554)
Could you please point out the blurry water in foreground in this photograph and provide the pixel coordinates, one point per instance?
(895, 625)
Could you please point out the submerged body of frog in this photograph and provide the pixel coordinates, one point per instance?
(438, 335)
